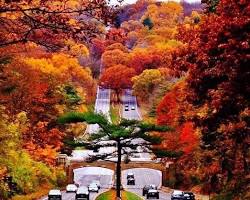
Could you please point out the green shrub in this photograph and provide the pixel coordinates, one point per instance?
(61, 178)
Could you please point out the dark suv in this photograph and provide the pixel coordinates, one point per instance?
(153, 193)
(130, 179)
(146, 188)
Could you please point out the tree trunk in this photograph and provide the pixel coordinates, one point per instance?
(118, 169)
(117, 92)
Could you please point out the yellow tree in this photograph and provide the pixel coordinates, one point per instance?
(145, 83)
(114, 57)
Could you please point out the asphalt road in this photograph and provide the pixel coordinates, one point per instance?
(102, 105)
(71, 196)
(84, 176)
(144, 176)
(130, 100)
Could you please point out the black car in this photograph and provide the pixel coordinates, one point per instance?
(146, 188)
(130, 175)
(153, 193)
(189, 196)
(130, 181)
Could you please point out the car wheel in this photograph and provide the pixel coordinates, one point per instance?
(157, 197)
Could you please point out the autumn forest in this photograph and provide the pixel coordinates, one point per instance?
(186, 63)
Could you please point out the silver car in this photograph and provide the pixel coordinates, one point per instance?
(93, 187)
(55, 195)
(71, 188)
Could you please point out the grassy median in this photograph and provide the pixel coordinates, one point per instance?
(111, 195)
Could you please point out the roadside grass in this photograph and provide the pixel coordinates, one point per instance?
(130, 196)
(115, 113)
(111, 195)
(42, 191)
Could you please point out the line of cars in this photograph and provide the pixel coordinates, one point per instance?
(82, 192)
(150, 191)
(127, 107)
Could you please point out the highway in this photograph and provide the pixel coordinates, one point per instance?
(102, 105)
(143, 176)
(84, 176)
(130, 100)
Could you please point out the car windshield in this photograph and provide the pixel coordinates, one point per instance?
(54, 197)
(81, 195)
(130, 176)
(71, 185)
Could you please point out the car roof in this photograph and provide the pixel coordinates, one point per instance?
(93, 184)
(130, 173)
(177, 192)
(55, 192)
(152, 190)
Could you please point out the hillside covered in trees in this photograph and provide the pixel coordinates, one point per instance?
(187, 64)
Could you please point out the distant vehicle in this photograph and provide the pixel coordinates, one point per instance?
(71, 188)
(146, 188)
(126, 109)
(82, 193)
(93, 187)
(132, 108)
(130, 175)
(130, 179)
(153, 193)
(97, 183)
(55, 195)
(189, 196)
(126, 105)
(177, 195)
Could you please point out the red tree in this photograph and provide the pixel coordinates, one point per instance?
(117, 78)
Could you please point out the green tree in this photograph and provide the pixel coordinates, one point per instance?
(119, 135)
(148, 22)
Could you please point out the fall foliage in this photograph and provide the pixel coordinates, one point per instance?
(117, 78)
(187, 64)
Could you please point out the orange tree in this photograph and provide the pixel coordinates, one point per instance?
(117, 78)
(46, 22)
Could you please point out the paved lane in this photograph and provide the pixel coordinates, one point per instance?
(102, 105)
(71, 196)
(130, 100)
(84, 176)
(162, 195)
(144, 176)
